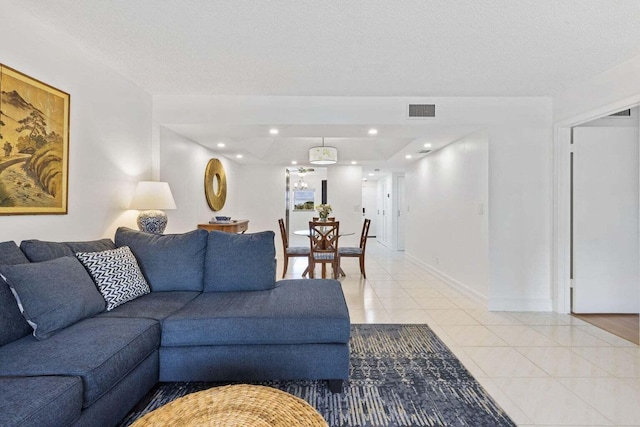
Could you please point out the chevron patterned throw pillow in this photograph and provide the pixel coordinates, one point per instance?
(117, 275)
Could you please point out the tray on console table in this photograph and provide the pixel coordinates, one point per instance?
(234, 226)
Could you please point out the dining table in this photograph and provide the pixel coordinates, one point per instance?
(307, 233)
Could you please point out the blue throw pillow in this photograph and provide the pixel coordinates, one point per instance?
(240, 262)
(169, 262)
(53, 294)
(39, 250)
(13, 326)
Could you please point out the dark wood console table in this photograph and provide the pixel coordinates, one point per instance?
(235, 226)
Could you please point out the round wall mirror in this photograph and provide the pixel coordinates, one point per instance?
(215, 185)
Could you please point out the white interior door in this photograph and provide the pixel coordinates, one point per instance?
(605, 220)
(402, 212)
(369, 196)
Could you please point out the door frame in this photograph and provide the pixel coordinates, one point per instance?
(561, 250)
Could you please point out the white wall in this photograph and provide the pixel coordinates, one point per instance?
(110, 134)
(344, 194)
(261, 198)
(520, 205)
(182, 165)
(447, 223)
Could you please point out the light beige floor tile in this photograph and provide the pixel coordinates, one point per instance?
(512, 410)
(504, 362)
(413, 284)
(449, 292)
(400, 303)
(381, 275)
(436, 303)
(492, 317)
(380, 284)
(391, 293)
(608, 337)
(569, 336)
(561, 362)
(364, 304)
(536, 318)
(369, 316)
(545, 401)
(522, 336)
(633, 382)
(409, 316)
(468, 362)
(618, 361)
(612, 397)
(473, 336)
(452, 317)
(427, 291)
(467, 303)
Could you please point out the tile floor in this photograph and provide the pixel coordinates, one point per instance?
(544, 369)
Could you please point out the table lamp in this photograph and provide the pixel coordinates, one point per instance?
(150, 197)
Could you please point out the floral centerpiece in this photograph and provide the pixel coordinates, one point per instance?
(324, 210)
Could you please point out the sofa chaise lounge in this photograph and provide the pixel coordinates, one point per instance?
(214, 313)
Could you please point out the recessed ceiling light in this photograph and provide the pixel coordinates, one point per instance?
(427, 145)
(353, 162)
(221, 144)
(273, 131)
(238, 156)
(371, 174)
(408, 156)
(373, 131)
(293, 162)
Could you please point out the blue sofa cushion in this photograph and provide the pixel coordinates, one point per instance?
(12, 323)
(294, 312)
(117, 275)
(240, 262)
(53, 294)
(38, 250)
(10, 254)
(101, 351)
(53, 401)
(169, 262)
(156, 305)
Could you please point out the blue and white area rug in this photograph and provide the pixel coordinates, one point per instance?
(401, 375)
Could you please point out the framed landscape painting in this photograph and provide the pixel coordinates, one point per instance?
(34, 137)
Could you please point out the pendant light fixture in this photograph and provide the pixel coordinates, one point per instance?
(323, 155)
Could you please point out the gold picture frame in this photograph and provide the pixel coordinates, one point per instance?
(215, 185)
(34, 137)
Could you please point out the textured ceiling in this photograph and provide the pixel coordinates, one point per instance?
(354, 47)
(346, 48)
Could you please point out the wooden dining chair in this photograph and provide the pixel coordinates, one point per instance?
(357, 252)
(323, 238)
(290, 251)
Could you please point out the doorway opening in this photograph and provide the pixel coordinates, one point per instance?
(604, 213)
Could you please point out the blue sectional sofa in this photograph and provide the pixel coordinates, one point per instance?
(212, 312)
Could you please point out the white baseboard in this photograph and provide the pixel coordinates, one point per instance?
(457, 285)
(492, 304)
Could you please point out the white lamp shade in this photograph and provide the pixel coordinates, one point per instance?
(323, 155)
(152, 195)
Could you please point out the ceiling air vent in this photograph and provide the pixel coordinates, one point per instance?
(422, 110)
(424, 151)
(623, 113)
